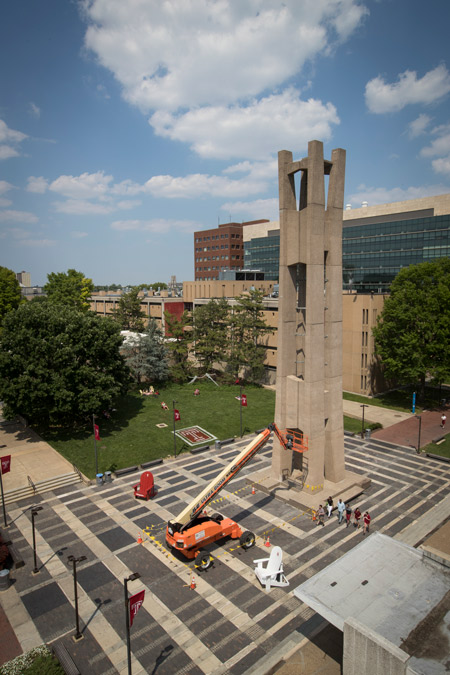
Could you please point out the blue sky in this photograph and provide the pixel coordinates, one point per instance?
(127, 125)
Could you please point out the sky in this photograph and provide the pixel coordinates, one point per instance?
(126, 125)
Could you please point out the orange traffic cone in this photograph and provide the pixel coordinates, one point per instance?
(193, 584)
(253, 490)
(314, 515)
(267, 542)
(139, 539)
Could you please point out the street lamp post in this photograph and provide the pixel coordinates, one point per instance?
(132, 577)
(364, 405)
(95, 446)
(240, 404)
(419, 417)
(3, 496)
(174, 435)
(34, 512)
(74, 561)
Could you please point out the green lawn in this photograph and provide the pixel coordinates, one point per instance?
(442, 449)
(395, 400)
(131, 436)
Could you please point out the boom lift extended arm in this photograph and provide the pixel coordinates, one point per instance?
(192, 529)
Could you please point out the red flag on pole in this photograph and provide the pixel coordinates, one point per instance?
(176, 415)
(96, 432)
(6, 463)
(135, 604)
(244, 400)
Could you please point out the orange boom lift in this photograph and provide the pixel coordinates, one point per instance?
(193, 529)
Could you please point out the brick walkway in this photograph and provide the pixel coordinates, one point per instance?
(406, 432)
(228, 624)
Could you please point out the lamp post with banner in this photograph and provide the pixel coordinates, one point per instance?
(131, 609)
(5, 467)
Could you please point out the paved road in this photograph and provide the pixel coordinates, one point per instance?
(228, 624)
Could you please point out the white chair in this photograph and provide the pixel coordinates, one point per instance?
(272, 573)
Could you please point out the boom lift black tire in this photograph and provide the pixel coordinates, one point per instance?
(217, 517)
(247, 540)
(203, 560)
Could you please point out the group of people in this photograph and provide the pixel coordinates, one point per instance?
(344, 514)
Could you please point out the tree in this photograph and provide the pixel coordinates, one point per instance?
(70, 288)
(248, 330)
(10, 296)
(128, 313)
(59, 365)
(211, 332)
(413, 331)
(179, 329)
(147, 355)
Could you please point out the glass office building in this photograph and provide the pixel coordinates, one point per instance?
(263, 253)
(373, 253)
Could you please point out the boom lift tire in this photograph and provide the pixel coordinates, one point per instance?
(203, 560)
(217, 517)
(247, 540)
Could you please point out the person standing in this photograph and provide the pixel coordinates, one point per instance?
(340, 510)
(348, 513)
(356, 516)
(367, 520)
(443, 420)
(329, 506)
(321, 515)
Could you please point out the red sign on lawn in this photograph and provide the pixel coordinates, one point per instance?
(6, 463)
(136, 604)
(97, 432)
(176, 415)
(244, 400)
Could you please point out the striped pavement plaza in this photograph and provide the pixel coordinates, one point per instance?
(228, 624)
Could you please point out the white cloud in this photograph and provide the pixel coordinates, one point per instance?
(35, 111)
(383, 195)
(37, 184)
(78, 235)
(179, 54)
(85, 186)
(440, 145)
(195, 186)
(260, 208)
(160, 226)
(8, 139)
(10, 135)
(12, 216)
(418, 126)
(5, 202)
(5, 187)
(441, 165)
(82, 207)
(254, 131)
(409, 89)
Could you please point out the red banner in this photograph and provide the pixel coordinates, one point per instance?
(176, 415)
(6, 464)
(135, 604)
(244, 400)
(97, 432)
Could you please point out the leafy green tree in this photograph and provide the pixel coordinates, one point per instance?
(59, 365)
(180, 330)
(147, 355)
(70, 288)
(210, 332)
(412, 334)
(128, 313)
(158, 284)
(248, 336)
(10, 296)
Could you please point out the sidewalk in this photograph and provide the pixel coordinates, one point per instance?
(374, 413)
(406, 432)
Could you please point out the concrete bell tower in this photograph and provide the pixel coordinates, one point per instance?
(309, 367)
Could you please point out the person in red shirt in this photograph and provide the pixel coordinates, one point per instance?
(356, 516)
(367, 520)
